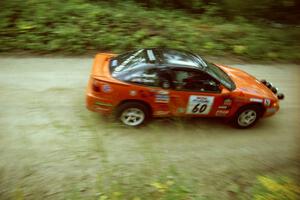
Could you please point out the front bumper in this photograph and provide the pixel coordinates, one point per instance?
(271, 110)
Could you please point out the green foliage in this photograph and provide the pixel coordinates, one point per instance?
(79, 26)
(115, 186)
(278, 10)
(276, 189)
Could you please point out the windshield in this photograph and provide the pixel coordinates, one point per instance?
(214, 71)
(171, 56)
(220, 75)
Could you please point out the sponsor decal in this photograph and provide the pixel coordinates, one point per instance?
(106, 88)
(223, 107)
(267, 102)
(222, 112)
(150, 55)
(148, 81)
(256, 100)
(122, 65)
(132, 93)
(149, 75)
(163, 92)
(200, 105)
(227, 102)
(142, 80)
(119, 68)
(162, 98)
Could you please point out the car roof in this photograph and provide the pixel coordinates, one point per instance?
(163, 64)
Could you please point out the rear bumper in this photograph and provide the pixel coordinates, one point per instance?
(98, 104)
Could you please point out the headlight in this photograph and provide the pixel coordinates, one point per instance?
(269, 85)
(274, 90)
(263, 81)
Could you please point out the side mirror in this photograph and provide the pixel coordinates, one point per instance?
(221, 87)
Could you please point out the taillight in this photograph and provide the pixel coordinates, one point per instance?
(101, 86)
(96, 86)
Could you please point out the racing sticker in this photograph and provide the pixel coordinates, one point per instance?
(256, 100)
(222, 113)
(132, 93)
(227, 102)
(162, 97)
(106, 88)
(200, 105)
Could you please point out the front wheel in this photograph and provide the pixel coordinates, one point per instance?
(247, 116)
(133, 114)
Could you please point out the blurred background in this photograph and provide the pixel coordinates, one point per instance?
(262, 30)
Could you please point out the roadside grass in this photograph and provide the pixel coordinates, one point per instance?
(276, 188)
(114, 184)
(81, 27)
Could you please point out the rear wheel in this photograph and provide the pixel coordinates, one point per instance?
(247, 116)
(133, 114)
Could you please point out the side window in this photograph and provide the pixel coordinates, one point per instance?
(194, 81)
(154, 77)
(165, 79)
(147, 77)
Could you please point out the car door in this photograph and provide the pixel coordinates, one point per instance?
(196, 93)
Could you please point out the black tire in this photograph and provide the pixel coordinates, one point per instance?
(133, 114)
(253, 112)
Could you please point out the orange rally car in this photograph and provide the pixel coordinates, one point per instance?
(159, 82)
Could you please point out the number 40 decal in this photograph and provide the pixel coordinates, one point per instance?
(200, 105)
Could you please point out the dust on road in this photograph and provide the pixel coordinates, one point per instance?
(48, 140)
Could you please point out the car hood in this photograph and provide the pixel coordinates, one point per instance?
(247, 83)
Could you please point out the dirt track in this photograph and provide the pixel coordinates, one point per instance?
(48, 140)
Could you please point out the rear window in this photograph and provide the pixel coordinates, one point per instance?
(128, 61)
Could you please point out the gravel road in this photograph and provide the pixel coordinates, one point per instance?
(48, 140)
